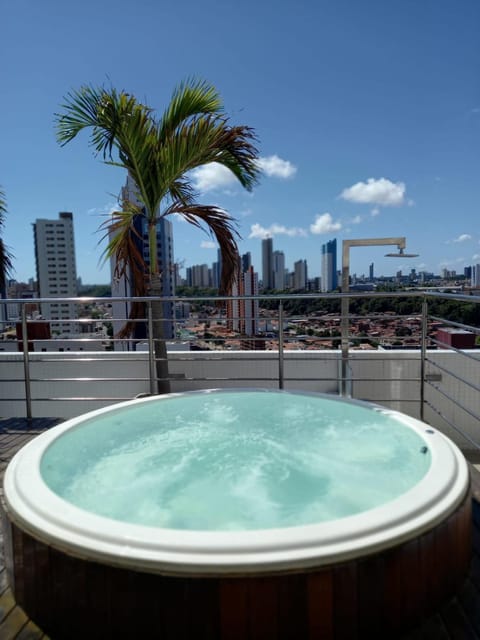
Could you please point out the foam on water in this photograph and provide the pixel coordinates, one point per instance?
(235, 461)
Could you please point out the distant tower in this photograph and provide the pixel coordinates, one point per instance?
(250, 307)
(215, 282)
(300, 277)
(123, 287)
(246, 261)
(242, 315)
(217, 277)
(178, 280)
(476, 276)
(267, 263)
(198, 276)
(278, 270)
(329, 266)
(56, 269)
(370, 272)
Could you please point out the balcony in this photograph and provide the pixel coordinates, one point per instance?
(414, 367)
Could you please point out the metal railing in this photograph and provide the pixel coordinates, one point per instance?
(438, 381)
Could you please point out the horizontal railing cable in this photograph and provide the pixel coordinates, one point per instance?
(453, 425)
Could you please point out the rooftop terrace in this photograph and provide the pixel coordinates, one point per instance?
(437, 382)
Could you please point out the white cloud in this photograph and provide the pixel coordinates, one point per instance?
(275, 167)
(208, 244)
(212, 176)
(106, 210)
(381, 191)
(476, 256)
(356, 220)
(462, 238)
(449, 263)
(375, 212)
(257, 231)
(324, 224)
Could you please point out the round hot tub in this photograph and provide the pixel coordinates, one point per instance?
(227, 510)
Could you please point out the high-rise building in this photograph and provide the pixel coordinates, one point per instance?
(279, 270)
(300, 277)
(329, 266)
(371, 271)
(56, 270)
(267, 263)
(198, 276)
(215, 276)
(177, 278)
(217, 266)
(246, 261)
(250, 307)
(476, 276)
(123, 287)
(242, 315)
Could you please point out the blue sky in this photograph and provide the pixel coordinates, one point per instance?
(367, 114)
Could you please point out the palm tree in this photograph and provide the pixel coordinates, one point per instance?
(158, 154)
(6, 264)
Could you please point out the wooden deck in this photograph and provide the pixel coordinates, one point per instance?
(458, 619)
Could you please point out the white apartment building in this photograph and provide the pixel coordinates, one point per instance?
(56, 270)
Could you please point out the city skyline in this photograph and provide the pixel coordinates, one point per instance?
(283, 277)
(367, 117)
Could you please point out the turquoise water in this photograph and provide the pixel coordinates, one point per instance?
(235, 461)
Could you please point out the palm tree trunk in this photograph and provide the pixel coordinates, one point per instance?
(160, 345)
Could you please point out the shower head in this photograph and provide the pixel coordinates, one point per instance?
(401, 254)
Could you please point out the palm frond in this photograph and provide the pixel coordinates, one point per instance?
(6, 257)
(190, 99)
(204, 140)
(181, 190)
(124, 243)
(3, 207)
(221, 226)
(6, 265)
(104, 111)
(236, 150)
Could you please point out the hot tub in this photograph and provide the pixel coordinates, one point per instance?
(246, 509)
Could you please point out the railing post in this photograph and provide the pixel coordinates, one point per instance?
(423, 355)
(280, 345)
(26, 364)
(344, 386)
(151, 350)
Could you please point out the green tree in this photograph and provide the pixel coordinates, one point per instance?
(158, 153)
(6, 264)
